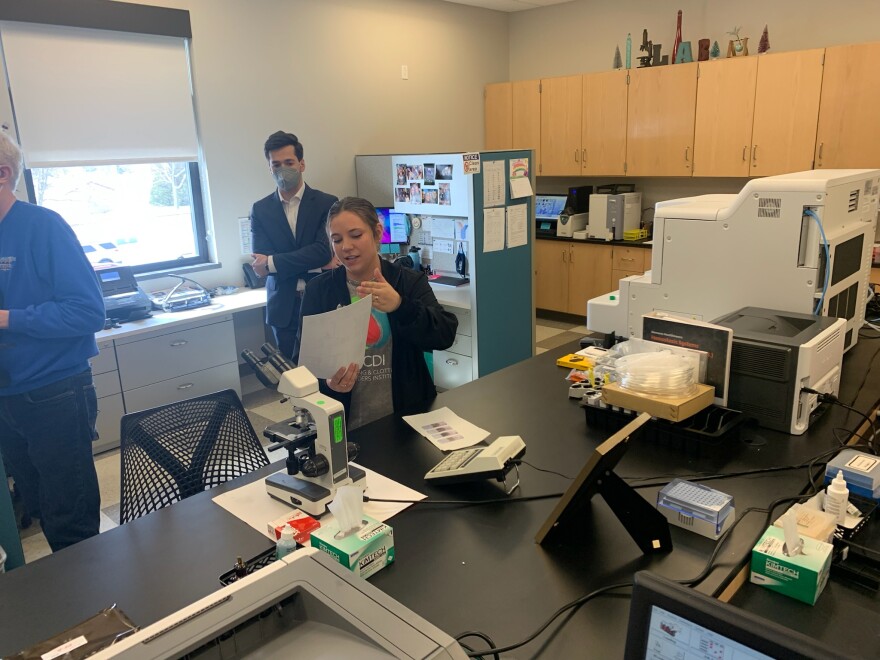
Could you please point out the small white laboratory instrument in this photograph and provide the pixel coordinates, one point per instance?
(613, 214)
(492, 462)
(797, 242)
(569, 224)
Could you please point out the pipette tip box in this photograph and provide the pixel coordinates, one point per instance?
(861, 471)
(701, 509)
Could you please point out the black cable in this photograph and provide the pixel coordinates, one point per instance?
(499, 500)
(535, 467)
(575, 603)
(484, 637)
(867, 373)
(830, 398)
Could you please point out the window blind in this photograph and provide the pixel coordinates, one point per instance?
(85, 96)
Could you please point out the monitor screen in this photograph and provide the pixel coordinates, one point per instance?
(668, 620)
(549, 207)
(393, 226)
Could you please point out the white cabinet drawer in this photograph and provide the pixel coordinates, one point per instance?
(464, 319)
(451, 369)
(159, 358)
(105, 360)
(107, 383)
(461, 345)
(110, 411)
(223, 377)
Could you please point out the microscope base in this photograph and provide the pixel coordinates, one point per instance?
(307, 495)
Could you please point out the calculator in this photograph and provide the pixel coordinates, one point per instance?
(475, 463)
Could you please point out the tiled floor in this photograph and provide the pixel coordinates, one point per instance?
(263, 409)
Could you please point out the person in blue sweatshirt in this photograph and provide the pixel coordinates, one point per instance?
(50, 308)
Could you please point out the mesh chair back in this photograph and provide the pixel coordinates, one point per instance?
(174, 451)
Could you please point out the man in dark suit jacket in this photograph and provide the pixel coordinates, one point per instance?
(289, 235)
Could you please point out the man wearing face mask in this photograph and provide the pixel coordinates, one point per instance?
(289, 237)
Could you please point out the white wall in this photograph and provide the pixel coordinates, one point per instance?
(329, 71)
(580, 36)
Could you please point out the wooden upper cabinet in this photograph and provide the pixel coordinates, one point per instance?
(561, 126)
(603, 131)
(786, 112)
(526, 95)
(498, 116)
(849, 133)
(725, 108)
(660, 120)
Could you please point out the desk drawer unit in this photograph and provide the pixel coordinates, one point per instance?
(149, 359)
(183, 387)
(630, 259)
(464, 319)
(105, 360)
(110, 411)
(461, 345)
(452, 369)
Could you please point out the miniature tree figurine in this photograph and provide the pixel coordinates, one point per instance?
(715, 53)
(738, 45)
(618, 64)
(764, 43)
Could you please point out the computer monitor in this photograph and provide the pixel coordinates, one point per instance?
(668, 620)
(548, 207)
(393, 226)
(647, 526)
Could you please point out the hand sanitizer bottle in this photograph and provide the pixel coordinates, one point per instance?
(836, 497)
(285, 544)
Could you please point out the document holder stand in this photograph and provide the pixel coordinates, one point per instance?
(647, 526)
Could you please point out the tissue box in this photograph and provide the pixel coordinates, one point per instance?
(801, 577)
(364, 551)
(303, 525)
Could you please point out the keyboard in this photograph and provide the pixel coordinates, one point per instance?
(449, 281)
(476, 463)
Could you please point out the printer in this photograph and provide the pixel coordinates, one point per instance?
(570, 223)
(775, 356)
(124, 300)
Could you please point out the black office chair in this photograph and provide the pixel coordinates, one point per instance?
(177, 450)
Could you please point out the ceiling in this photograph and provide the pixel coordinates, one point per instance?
(508, 5)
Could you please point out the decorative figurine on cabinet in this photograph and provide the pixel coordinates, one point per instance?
(703, 50)
(738, 46)
(677, 43)
(715, 51)
(618, 64)
(764, 43)
(684, 53)
(648, 47)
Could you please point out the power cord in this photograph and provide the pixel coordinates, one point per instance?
(830, 398)
(577, 602)
(539, 469)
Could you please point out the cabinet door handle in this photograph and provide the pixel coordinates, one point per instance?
(563, 255)
(755, 155)
(821, 147)
(627, 259)
(745, 152)
(451, 362)
(584, 156)
(576, 154)
(185, 386)
(687, 154)
(181, 342)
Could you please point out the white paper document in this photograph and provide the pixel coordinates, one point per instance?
(517, 227)
(446, 430)
(520, 187)
(493, 229)
(244, 236)
(335, 339)
(442, 228)
(253, 505)
(493, 183)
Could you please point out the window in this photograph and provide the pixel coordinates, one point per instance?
(144, 215)
(110, 138)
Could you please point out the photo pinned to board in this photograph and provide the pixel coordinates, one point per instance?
(444, 194)
(415, 193)
(429, 174)
(444, 172)
(401, 194)
(401, 174)
(429, 196)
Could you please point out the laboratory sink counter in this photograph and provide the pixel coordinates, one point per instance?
(460, 566)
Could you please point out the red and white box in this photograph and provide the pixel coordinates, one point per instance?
(303, 526)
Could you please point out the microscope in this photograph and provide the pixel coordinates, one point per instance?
(315, 437)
